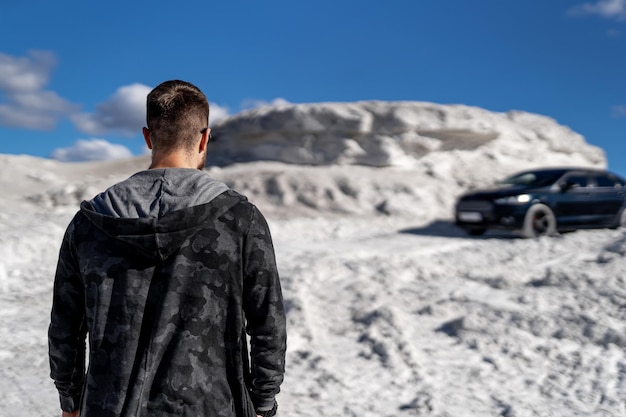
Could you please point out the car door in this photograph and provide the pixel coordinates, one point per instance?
(573, 204)
(608, 197)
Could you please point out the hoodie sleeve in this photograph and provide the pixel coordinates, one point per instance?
(67, 331)
(265, 314)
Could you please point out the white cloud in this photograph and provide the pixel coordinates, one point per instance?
(254, 103)
(124, 112)
(26, 103)
(619, 111)
(19, 117)
(611, 9)
(91, 150)
(28, 73)
(217, 113)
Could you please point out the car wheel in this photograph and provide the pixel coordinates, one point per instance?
(620, 220)
(539, 221)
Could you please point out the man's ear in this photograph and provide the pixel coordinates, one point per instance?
(146, 137)
(205, 140)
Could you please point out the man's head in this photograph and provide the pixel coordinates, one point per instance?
(177, 117)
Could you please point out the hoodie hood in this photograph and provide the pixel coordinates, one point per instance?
(157, 192)
(155, 210)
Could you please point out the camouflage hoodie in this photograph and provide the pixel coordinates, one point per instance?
(166, 272)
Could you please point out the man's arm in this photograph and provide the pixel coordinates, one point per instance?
(265, 315)
(67, 331)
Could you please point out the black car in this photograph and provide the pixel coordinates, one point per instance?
(544, 201)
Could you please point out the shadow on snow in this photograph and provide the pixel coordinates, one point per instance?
(446, 228)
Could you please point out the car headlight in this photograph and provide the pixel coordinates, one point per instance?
(514, 199)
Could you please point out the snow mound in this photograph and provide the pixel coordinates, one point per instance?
(381, 134)
(382, 158)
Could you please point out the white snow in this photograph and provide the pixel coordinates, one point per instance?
(392, 311)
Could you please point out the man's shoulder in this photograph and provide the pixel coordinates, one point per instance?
(232, 201)
(233, 206)
(236, 197)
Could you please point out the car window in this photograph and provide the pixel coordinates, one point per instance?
(577, 180)
(607, 180)
(535, 179)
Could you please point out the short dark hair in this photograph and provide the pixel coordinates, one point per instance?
(177, 111)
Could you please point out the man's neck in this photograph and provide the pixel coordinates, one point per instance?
(174, 160)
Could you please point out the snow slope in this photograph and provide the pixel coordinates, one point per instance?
(392, 311)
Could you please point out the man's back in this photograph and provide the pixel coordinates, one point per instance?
(167, 268)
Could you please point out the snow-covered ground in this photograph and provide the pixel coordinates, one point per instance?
(389, 314)
(392, 311)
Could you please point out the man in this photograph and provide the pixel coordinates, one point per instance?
(166, 272)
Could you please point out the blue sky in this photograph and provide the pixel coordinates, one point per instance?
(74, 74)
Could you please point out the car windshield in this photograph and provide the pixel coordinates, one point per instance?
(533, 179)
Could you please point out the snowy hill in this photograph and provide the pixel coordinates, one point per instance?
(391, 310)
(360, 158)
(393, 134)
